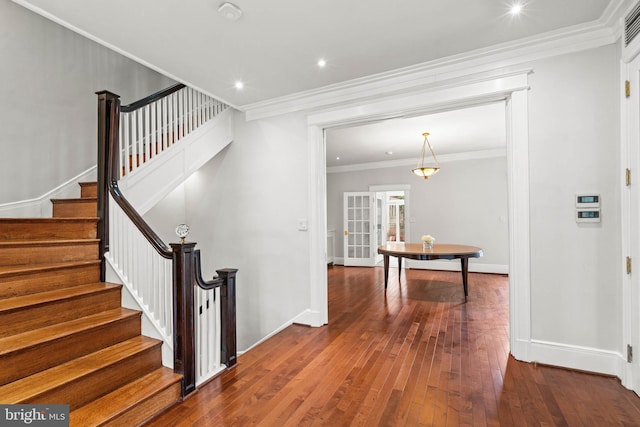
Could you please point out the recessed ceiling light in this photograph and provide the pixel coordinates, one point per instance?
(388, 153)
(321, 63)
(337, 158)
(516, 8)
(239, 85)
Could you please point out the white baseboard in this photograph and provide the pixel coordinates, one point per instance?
(576, 357)
(40, 207)
(307, 317)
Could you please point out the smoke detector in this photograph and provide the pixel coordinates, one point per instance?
(230, 11)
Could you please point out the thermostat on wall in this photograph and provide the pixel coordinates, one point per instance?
(588, 215)
(587, 201)
(587, 207)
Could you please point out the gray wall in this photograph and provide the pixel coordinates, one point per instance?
(466, 203)
(48, 79)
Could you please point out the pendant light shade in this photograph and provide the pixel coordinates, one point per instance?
(426, 171)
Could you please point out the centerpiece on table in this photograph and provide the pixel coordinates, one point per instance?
(427, 242)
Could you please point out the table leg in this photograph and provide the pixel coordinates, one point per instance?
(465, 272)
(386, 269)
(399, 268)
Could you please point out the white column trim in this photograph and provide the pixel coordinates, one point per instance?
(318, 313)
(519, 241)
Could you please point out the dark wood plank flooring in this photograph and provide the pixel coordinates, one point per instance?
(415, 356)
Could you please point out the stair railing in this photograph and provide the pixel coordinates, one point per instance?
(150, 126)
(163, 278)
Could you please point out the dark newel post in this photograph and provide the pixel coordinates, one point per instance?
(108, 127)
(228, 316)
(184, 344)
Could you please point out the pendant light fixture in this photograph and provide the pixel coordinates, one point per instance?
(422, 170)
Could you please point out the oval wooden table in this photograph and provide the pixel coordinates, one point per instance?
(439, 251)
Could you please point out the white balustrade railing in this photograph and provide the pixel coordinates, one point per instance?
(148, 131)
(148, 278)
(207, 334)
(146, 274)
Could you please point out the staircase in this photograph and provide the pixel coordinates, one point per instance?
(65, 339)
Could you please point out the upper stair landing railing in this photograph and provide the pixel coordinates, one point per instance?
(152, 125)
(162, 277)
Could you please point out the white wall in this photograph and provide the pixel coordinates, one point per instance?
(575, 147)
(243, 209)
(49, 77)
(466, 203)
(575, 274)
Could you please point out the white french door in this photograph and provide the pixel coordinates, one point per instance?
(360, 247)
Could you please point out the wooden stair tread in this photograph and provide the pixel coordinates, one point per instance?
(125, 398)
(65, 336)
(75, 200)
(29, 387)
(58, 228)
(31, 300)
(57, 331)
(50, 220)
(48, 242)
(8, 270)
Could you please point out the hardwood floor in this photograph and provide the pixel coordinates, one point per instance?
(415, 356)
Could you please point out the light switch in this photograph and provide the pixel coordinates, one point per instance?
(302, 224)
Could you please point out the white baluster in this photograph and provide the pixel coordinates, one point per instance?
(176, 117)
(218, 330)
(154, 130)
(198, 107)
(163, 123)
(140, 139)
(147, 132)
(190, 108)
(127, 137)
(170, 120)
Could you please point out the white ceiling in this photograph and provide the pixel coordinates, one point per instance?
(466, 130)
(273, 48)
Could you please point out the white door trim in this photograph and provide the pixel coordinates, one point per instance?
(512, 88)
(630, 217)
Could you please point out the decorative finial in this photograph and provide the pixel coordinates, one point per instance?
(182, 231)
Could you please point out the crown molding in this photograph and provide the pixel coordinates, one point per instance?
(613, 15)
(445, 158)
(441, 71)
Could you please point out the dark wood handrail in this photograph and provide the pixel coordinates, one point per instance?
(108, 141)
(151, 98)
(185, 261)
(226, 281)
(151, 236)
(216, 282)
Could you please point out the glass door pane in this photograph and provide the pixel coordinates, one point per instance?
(358, 211)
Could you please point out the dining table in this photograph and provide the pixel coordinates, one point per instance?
(421, 252)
